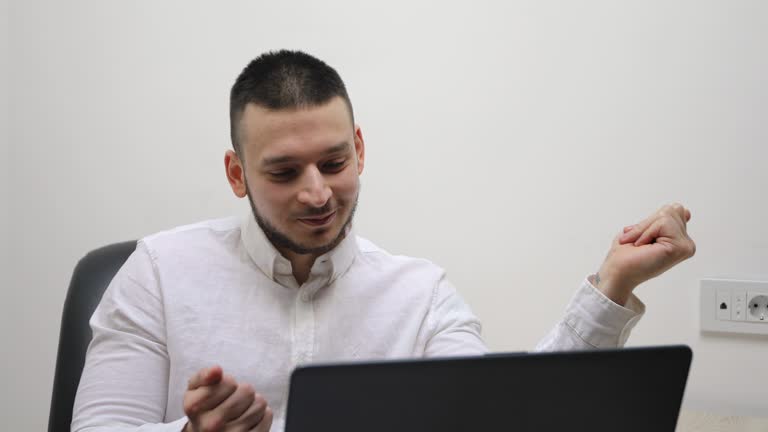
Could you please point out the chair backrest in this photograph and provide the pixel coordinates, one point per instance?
(90, 278)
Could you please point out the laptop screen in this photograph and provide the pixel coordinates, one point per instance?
(632, 389)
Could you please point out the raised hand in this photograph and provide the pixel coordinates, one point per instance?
(645, 250)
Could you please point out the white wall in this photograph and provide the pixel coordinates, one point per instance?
(506, 141)
(6, 286)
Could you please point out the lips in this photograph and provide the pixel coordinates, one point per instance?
(317, 221)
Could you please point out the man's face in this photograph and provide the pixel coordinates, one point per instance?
(301, 171)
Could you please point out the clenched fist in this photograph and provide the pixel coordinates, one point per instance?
(645, 250)
(215, 402)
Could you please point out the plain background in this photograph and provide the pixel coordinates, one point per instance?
(506, 141)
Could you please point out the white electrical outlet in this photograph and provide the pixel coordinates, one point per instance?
(734, 306)
(757, 305)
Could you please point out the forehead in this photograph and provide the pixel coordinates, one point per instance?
(294, 132)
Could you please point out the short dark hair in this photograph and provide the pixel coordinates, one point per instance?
(283, 79)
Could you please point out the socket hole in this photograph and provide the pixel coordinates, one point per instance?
(723, 305)
(758, 307)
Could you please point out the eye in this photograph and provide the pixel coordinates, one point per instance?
(334, 166)
(284, 174)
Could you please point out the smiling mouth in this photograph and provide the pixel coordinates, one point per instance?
(319, 220)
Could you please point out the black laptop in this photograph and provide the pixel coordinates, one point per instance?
(630, 390)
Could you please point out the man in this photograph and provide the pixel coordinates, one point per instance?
(293, 284)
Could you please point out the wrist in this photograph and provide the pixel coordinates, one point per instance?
(611, 287)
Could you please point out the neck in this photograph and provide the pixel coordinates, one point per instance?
(301, 264)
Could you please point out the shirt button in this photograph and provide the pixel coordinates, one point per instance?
(305, 296)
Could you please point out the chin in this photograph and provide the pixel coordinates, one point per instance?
(321, 237)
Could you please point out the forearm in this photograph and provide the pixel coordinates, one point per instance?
(592, 320)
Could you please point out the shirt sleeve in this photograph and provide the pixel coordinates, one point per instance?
(592, 321)
(124, 383)
(452, 327)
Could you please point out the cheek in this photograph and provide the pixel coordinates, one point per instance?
(347, 186)
(270, 199)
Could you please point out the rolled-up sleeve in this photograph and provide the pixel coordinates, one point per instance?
(593, 321)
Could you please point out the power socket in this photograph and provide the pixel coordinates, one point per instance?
(734, 306)
(758, 306)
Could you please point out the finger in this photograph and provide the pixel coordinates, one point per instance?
(627, 228)
(235, 405)
(637, 229)
(641, 227)
(677, 214)
(206, 398)
(266, 422)
(206, 376)
(252, 416)
(650, 234)
(684, 213)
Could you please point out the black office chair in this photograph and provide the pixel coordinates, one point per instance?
(91, 277)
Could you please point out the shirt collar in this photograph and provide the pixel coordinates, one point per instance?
(268, 259)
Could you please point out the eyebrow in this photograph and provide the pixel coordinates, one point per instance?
(283, 159)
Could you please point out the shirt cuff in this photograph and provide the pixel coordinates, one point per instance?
(599, 321)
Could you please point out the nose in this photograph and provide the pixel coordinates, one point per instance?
(315, 192)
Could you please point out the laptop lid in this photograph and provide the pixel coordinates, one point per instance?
(631, 389)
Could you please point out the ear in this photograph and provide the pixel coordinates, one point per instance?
(359, 149)
(235, 173)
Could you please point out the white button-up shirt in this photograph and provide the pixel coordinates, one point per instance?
(218, 292)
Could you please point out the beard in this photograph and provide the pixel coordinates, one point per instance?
(282, 240)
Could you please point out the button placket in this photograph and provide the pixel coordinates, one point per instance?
(304, 333)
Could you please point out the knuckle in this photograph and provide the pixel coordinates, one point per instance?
(259, 401)
(267, 416)
(228, 386)
(246, 389)
(192, 402)
(246, 395)
(213, 423)
(265, 421)
(252, 417)
(672, 252)
(228, 380)
(190, 409)
(199, 375)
